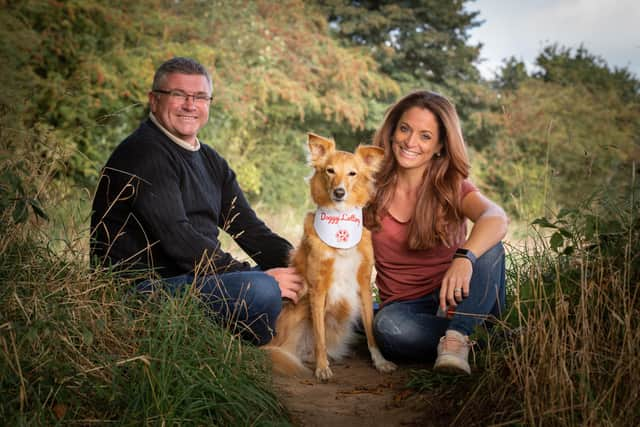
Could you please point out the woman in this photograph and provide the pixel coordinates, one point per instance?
(425, 262)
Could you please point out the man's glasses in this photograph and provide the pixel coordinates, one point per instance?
(179, 96)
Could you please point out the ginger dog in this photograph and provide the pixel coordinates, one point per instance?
(335, 257)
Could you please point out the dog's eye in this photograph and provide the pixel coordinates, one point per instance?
(331, 171)
(352, 173)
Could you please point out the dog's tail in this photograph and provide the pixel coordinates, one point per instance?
(285, 363)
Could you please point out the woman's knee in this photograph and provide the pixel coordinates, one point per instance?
(400, 336)
(386, 326)
(493, 259)
(490, 274)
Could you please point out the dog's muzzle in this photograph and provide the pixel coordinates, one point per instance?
(338, 194)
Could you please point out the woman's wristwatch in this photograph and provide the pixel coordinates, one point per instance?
(465, 253)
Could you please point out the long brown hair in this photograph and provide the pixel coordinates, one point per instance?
(437, 218)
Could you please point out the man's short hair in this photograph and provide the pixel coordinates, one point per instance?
(180, 65)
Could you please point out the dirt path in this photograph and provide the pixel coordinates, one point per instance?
(357, 395)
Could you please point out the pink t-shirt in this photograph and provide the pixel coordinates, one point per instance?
(403, 273)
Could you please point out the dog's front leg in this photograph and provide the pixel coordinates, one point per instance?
(364, 275)
(318, 296)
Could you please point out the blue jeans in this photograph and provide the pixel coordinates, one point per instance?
(248, 302)
(410, 330)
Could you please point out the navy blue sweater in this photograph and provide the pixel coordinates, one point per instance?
(159, 206)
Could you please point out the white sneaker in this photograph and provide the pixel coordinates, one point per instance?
(453, 353)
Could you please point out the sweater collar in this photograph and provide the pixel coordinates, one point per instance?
(182, 143)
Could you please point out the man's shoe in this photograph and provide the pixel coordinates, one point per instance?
(453, 353)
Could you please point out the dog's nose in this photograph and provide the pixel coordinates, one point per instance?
(338, 193)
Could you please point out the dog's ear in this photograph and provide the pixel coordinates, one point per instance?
(319, 147)
(371, 156)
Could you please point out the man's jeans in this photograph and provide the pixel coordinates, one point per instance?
(410, 330)
(247, 302)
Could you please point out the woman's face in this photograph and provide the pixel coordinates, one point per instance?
(416, 139)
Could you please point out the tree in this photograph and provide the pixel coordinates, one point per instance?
(512, 73)
(419, 40)
(561, 65)
(86, 68)
(569, 129)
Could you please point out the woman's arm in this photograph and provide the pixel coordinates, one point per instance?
(489, 227)
(489, 223)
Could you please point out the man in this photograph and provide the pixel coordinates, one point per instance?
(163, 197)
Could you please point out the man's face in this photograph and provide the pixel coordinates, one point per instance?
(182, 117)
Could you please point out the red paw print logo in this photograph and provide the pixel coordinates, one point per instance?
(342, 235)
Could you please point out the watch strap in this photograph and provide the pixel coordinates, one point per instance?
(465, 253)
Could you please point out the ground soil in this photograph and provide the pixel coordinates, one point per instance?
(357, 395)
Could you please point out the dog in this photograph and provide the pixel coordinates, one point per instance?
(335, 257)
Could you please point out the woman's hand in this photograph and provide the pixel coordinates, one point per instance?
(455, 284)
(289, 280)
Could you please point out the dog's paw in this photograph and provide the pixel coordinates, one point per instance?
(385, 366)
(324, 374)
(381, 364)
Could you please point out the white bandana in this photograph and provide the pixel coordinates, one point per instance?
(339, 229)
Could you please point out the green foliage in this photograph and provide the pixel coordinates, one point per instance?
(196, 373)
(562, 239)
(70, 79)
(295, 79)
(14, 198)
(26, 167)
(561, 65)
(556, 144)
(577, 315)
(87, 67)
(415, 41)
(605, 226)
(512, 73)
(77, 346)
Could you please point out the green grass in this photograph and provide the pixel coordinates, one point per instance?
(198, 373)
(77, 347)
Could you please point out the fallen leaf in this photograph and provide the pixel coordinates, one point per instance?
(402, 395)
(363, 390)
(59, 410)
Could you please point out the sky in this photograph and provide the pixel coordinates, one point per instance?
(609, 29)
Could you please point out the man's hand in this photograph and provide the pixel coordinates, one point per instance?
(289, 280)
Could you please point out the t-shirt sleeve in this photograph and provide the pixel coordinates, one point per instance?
(468, 187)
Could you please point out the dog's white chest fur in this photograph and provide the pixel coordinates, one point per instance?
(345, 283)
(344, 289)
(344, 292)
